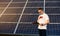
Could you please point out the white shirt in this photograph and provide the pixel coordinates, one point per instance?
(41, 20)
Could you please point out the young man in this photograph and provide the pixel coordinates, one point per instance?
(42, 21)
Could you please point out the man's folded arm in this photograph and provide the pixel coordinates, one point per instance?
(35, 22)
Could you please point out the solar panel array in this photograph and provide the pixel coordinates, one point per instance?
(11, 11)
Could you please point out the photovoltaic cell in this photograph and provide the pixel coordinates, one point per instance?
(11, 16)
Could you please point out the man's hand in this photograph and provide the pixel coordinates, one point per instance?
(42, 24)
(35, 22)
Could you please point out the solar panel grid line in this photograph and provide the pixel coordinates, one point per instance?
(53, 1)
(54, 14)
(26, 22)
(20, 17)
(8, 22)
(32, 2)
(4, 2)
(56, 28)
(19, 22)
(22, 2)
(31, 23)
(38, 2)
(38, 14)
(31, 14)
(54, 23)
(27, 7)
(44, 4)
(53, 35)
(6, 8)
(21, 34)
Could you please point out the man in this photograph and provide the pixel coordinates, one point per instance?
(42, 21)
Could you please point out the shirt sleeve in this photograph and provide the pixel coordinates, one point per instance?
(38, 19)
(46, 17)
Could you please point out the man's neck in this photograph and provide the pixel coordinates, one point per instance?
(42, 13)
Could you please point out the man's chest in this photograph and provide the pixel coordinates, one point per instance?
(41, 17)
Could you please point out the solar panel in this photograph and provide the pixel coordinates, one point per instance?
(23, 13)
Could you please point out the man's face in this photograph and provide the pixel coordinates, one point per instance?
(40, 11)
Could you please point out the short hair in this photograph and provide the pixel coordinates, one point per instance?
(40, 8)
